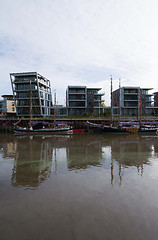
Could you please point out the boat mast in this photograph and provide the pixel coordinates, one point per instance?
(119, 99)
(111, 103)
(54, 106)
(137, 104)
(140, 106)
(30, 104)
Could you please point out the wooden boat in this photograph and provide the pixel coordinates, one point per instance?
(126, 129)
(30, 131)
(147, 130)
(140, 127)
(43, 128)
(99, 128)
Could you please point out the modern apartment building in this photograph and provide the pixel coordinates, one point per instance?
(30, 89)
(156, 99)
(132, 99)
(81, 100)
(7, 106)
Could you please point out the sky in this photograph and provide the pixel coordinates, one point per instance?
(80, 42)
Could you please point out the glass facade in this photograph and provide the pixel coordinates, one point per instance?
(76, 112)
(130, 104)
(78, 97)
(77, 104)
(26, 95)
(132, 100)
(91, 101)
(32, 86)
(77, 90)
(129, 112)
(130, 91)
(25, 87)
(145, 91)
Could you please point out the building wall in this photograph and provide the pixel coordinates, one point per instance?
(81, 100)
(31, 87)
(10, 106)
(132, 101)
(7, 105)
(156, 99)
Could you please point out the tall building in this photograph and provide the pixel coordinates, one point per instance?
(31, 88)
(81, 100)
(7, 106)
(131, 100)
(156, 99)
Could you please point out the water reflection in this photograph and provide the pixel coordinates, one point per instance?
(7, 146)
(36, 157)
(32, 162)
(84, 152)
(132, 151)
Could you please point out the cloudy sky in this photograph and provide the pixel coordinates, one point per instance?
(80, 42)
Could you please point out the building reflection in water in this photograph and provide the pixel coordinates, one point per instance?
(132, 151)
(32, 162)
(126, 151)
(84, 152)
(36, 158)
(7, 146)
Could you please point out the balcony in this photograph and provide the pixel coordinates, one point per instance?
(99, 94)
(77, 93)
(130, 100)
(77, 98)
(130, 93)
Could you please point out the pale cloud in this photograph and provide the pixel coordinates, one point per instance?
(75, 42)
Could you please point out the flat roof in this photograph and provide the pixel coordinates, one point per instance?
(28, 74)
(93, 88)
(6, 95)
(76, 86)
(129, 87)
(84, 87)
(23, 73)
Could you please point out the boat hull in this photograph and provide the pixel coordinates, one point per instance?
(21, 131)
(114, 130)
(149, 131)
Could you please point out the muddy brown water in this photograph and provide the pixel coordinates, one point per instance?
(79, 187)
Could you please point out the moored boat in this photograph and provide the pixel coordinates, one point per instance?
(100, 128)
(30, 131)
(140, 127)
(44, 128)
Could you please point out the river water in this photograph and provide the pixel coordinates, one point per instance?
(79, 187)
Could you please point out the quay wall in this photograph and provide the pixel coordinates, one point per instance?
(7, 125)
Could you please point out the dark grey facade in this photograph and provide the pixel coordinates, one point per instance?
(31, 87)
(81, 100)
(156, 99)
